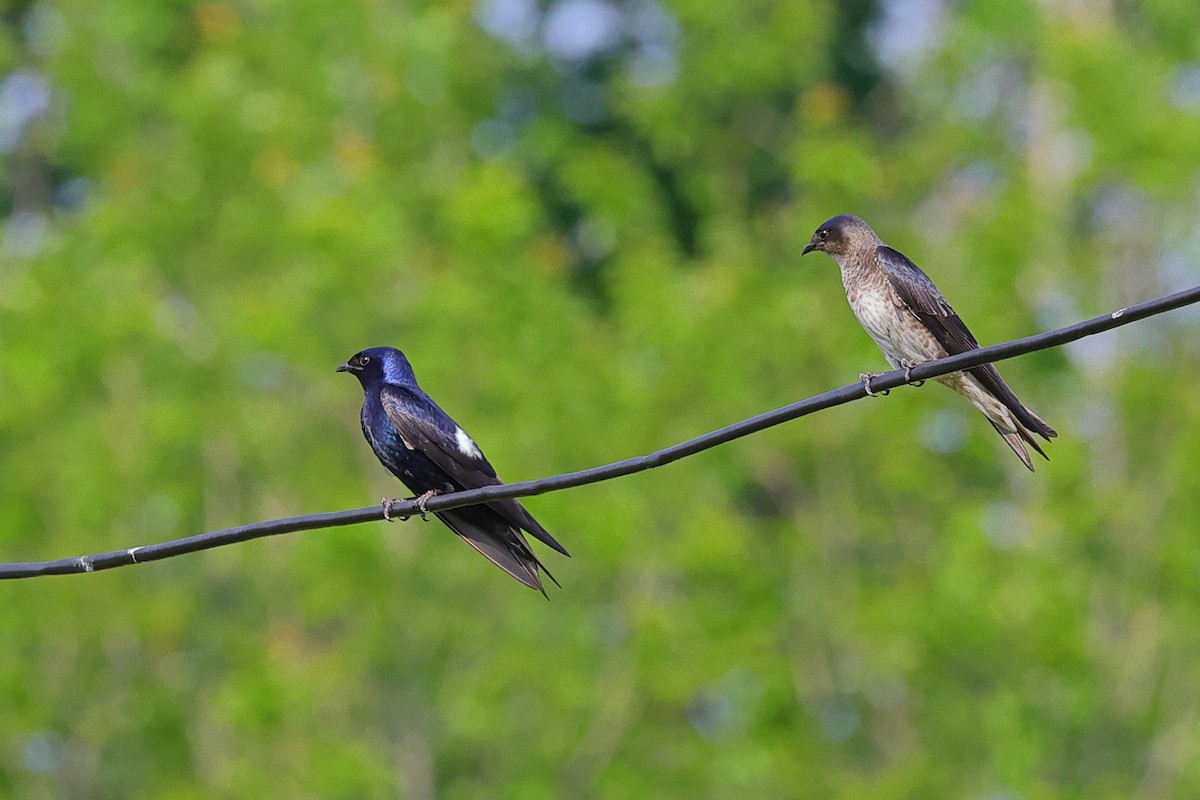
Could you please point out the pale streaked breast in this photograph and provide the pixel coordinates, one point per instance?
(895, 330)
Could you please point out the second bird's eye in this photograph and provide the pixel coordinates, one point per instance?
(823, 234)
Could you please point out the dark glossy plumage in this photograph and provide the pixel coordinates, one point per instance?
(428, 451)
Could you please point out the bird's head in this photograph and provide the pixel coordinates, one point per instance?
(380, 365)
(838, 235)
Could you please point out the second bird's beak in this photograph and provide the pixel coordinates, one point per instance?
(344, 368)
(808, 248)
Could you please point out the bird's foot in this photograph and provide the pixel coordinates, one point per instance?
(420, 501)
(388, 502)
(866, 378)
(908, 368)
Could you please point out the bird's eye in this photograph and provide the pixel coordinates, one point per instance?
(364, 360)
(823, 234)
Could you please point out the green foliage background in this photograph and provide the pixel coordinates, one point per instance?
(224, 200)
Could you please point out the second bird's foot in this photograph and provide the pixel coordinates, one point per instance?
(387, 502)
(908, 368)
(866, 378)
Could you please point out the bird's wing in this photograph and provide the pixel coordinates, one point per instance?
(427, 429)
(926, 301)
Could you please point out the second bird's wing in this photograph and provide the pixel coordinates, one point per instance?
(926, 301)
(427, 429)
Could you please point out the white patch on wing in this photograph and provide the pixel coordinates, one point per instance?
(465, 445)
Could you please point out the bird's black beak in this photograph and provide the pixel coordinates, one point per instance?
(808, 248)
(344, 368)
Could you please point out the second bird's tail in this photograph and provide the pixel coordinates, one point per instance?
(1010, 427)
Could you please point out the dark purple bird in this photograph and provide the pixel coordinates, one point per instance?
(430, 454)
(911, 322)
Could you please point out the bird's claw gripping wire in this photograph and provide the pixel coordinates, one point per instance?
(420, 501)
(908, 368)
(866, 378)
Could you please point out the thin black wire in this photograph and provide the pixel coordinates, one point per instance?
(404, 508)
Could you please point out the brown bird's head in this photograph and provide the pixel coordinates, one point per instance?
(838, 236)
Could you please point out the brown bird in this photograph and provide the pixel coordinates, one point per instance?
(911, 321)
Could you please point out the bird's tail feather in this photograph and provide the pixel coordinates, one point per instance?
(1009, 424)
(519, 562)
(1014, 440)
(989, 380)
(1036, 424)
(1032, 442)
(514, 512)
